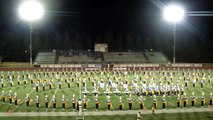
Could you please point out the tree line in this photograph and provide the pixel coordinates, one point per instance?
(15, 46)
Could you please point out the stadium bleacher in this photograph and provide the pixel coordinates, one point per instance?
(45, 58)
(90, 57)
(156, 57)
(67, 57)
(124, 57)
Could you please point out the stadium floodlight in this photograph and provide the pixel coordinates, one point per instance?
(173, 13)
(31, 10)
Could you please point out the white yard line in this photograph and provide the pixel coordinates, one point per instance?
(171, 103)
(136, 99)
(53, 95)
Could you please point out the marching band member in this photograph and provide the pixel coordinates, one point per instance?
(3, 97)
(15, 100)
(95, 90)
(107, 90)
(194, 82)
(11, 83)
(185, 101)
(164, 102)
(155, 102)
(121, 103)
(141, 99)
(74, 102)
(193, 99)
(46, 102)
(97, 103)
(102, 85)
(50, 84)
(27, 100)
(68, 83)
(79, 105)
(37, 102)
(126, 89)
(36, 86)
(84, 82)
(10, 97)
(157, 90)
(168, 89)
(2, 83)
(54, 102)
(63, 102)
(19, 82)
(85, 91)
(211, 99)
(25, 81)
(59, 84)
(178, 101)
(203, 100)
(109, 103)
(202, 83)
(186, 82)
(43, 85)
(78, 82)
(85, 102)
(130, 101)
(116, 90)
(182, 89)
(32, 81)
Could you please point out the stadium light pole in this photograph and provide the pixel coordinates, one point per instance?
(31, 10)
(173, 14)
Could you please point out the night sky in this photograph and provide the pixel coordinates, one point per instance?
(108, 21)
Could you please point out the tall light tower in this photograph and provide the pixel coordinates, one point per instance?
(174, 14)
(31, 10)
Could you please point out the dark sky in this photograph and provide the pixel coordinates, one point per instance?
(96, 16)
(139, 17)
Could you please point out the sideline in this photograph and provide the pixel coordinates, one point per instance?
(98, 113)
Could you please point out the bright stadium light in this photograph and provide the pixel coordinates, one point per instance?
(173, 14)
(31, 10)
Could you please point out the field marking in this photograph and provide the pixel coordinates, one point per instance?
(171, 103)
(22, 101)
(52, 97)
(136, 99)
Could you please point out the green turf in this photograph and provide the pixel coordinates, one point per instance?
(171, 116)
(68, 92)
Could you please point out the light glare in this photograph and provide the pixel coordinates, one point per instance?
(31, 10)
(174, 13)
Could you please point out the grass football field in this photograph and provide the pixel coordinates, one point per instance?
(145, 75)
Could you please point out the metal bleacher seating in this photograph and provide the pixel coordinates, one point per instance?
(80, 57)
(45, 58)
(124, 57)
(156, 57)
(89, 57)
